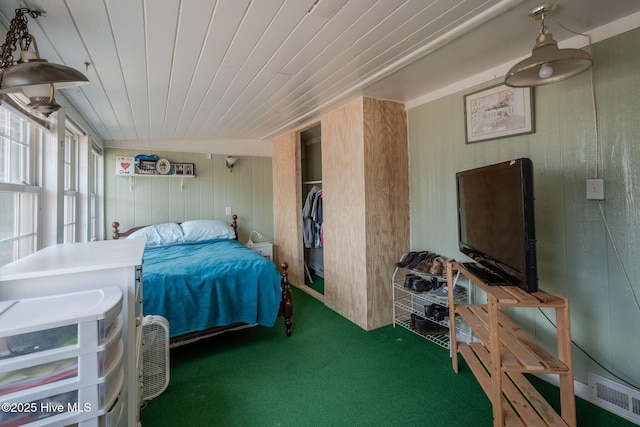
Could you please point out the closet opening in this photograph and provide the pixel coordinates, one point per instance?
(312, 195)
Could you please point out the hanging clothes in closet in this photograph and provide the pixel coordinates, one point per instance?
(312, 219)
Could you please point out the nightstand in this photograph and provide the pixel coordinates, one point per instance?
(264, 248)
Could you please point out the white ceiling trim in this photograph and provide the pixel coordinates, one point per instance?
(236, 147)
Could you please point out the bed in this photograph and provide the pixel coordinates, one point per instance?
(204, 282)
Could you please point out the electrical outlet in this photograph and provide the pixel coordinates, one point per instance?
(227, 210)
(595, 189)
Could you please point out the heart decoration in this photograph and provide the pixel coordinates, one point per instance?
(125, 166)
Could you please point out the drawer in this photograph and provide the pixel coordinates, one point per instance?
(57, 327)
(39, 375)
(114, 414)
(110, 358)
(265, 252)
(67, 407)
(109, 329)
(264, 248)
(38, 341)
(77, 371)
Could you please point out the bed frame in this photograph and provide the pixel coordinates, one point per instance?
(286, 304)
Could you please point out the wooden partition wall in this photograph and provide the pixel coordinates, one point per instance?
(365, 206)
(365, 187)
(287, 205)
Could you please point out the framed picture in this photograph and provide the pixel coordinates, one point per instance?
(183, 169)
(125, 165)
(178, 169)
(147, 167)
(498, 112)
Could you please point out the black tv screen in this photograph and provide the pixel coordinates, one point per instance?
(496, 221)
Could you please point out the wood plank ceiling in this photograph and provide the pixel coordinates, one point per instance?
(248, 69)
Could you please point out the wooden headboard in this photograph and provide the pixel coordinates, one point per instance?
(118, 234)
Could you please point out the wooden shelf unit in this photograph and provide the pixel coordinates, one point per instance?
(506, 353)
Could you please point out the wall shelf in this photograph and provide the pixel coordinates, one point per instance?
(138, 175)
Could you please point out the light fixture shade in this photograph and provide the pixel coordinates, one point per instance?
(564, 63)
(38, 72)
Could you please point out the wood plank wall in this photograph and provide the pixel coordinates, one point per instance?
(152, 200)
(587, 250)
(287, 205)
(387, 201)
(365, 206)
(366, 216)
(344, 221)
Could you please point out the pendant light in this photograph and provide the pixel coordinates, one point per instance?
(34, 76)
(547, 63)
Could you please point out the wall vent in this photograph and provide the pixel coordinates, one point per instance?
(616, 397)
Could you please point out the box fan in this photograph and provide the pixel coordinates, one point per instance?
(155, 356)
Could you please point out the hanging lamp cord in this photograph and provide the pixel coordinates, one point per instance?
(18, 33)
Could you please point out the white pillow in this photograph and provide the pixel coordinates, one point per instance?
(160, 234)
(206, 229)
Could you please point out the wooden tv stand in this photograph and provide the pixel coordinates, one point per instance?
(506, 353)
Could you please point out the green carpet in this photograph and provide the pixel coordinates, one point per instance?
(328, 373)
(317, 284)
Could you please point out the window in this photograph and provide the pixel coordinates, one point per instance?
(49, 193)
(70, 187)
(19, 196)
(95, 190)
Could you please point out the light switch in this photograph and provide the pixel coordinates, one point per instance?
(595, 189)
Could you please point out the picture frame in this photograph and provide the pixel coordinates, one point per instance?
(147, 167)
(185, 169)
(499, 111)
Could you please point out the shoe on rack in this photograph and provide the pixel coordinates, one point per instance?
(436, 284)
(443, 292)
(436, 312)
(425, 265)
(428, 310)
(437, 266)
(440, 312)
(420, 256)
(420, 284)
(427, 327)
(406, 260)
(408, 280)
(414, 320)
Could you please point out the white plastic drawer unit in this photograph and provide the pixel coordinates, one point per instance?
(61, 357)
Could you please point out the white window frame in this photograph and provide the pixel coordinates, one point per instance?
(71, 192)
(95, 181)
(26, 185)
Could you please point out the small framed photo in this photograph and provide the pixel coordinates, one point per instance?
(147, 167)
(178, 169)
(498, 112)
(183, 169)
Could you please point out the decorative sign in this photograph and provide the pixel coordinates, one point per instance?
(125, 166)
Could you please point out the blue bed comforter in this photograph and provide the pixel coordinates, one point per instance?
(216, 283)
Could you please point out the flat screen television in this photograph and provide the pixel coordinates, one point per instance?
(496, 226)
